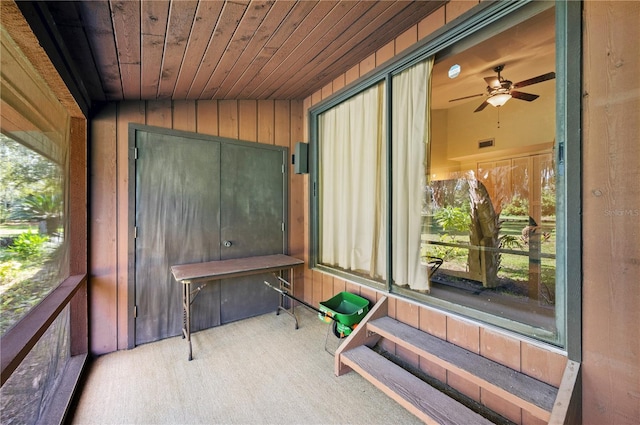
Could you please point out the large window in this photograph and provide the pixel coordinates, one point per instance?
(33, 251)
(445, 189)
(34, 242)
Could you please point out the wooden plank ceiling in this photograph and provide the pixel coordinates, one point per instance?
(189, 49)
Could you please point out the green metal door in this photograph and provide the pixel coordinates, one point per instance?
(252, 221)
(201, 199)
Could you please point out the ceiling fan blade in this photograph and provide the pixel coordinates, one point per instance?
(482, 106)
(467, 97)
(535, 80)
(524, 96)
(493, 82)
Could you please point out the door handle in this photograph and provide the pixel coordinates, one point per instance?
(227, 244)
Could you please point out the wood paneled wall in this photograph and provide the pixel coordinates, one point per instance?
(275, 122)
(611, 213)
(611, 228)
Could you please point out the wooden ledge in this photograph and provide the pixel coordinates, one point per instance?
(426, 402)
(19, 340)
(528, 393)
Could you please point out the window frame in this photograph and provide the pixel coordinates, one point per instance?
(483, 21)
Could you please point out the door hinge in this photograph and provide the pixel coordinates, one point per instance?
(135, 153)
(283, 226)
(135, 311)
(282, 168)
(135, 232)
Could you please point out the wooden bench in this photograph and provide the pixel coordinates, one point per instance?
(536, 397)
(522, 390)
(421, 399)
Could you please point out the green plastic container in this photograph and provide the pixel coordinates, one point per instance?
(346, 309)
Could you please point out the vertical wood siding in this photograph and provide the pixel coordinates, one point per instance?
(272, 122)
(103, 252)
(611, 213)
(78, 233)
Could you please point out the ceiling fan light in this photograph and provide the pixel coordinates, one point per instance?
(499, 99)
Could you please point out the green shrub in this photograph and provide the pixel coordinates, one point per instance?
(510, 242)
(517, 207)
(39, 206)
(453, 219)
(548, 203)
(28, 246)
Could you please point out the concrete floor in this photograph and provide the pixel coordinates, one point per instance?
(255, 371)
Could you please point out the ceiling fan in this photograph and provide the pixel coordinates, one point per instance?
(501, 90)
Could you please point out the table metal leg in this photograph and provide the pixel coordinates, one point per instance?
(286, 287)
(186, 315)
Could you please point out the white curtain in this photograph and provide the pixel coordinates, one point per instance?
(410, 137)
(353, 189)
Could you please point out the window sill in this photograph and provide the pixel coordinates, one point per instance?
(19, 340)
(57, 411)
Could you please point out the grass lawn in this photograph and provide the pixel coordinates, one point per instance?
(513, 268)
(16, 229)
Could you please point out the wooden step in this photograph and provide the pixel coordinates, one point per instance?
(421, 399)
(522, 390)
